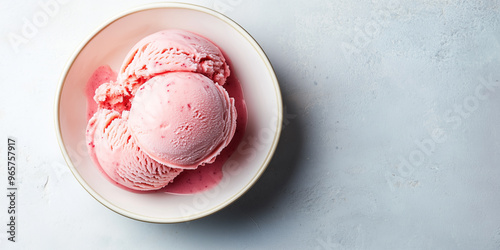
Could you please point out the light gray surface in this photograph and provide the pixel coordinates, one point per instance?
(390, 139)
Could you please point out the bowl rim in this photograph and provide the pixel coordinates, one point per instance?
(170, 5)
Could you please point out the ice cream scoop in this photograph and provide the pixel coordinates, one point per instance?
(119, 156)
(172, 51)
(182, 119)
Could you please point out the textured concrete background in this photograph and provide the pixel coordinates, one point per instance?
(390, 139)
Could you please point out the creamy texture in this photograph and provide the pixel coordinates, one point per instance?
(101, 75)
(119, 156)
(172, 51)
(166, 111)
(188, 181)
(182, 119)
(208, 176)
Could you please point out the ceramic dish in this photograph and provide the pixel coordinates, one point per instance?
(108, 46)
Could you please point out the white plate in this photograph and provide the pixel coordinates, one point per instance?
(109, 45)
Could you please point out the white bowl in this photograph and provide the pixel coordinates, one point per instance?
(108, 45)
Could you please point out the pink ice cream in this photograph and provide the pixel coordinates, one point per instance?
(119, 156)
(166, 112)
(172, 51)
(182, 119)
(113, 95)
(159, 53)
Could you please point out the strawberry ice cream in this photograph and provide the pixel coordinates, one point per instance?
(119, 156)
(166, 112)
(172, 51)
(182, 119)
